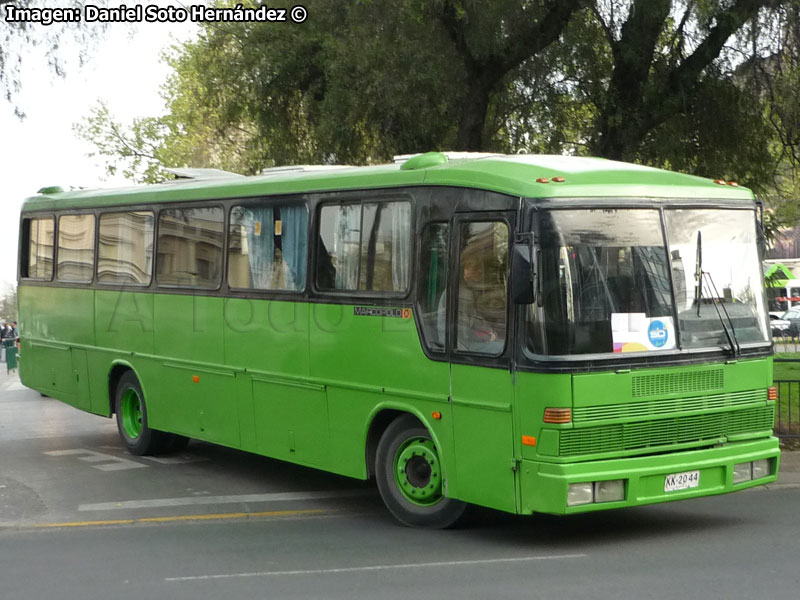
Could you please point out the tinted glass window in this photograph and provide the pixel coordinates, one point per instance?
(76, 248)
(482, 288)
(190, 247)
(40, 249)
(125, 252)
(365, 247)
(432, 284)
(268, 247)
(605, 283)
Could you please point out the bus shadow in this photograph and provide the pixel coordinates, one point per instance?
(626, 524)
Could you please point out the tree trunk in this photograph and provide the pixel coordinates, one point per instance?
(473, 114)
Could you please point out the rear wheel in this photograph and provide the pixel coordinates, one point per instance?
(129, 404)
(410, 478)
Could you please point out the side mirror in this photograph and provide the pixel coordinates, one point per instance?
(523, 290)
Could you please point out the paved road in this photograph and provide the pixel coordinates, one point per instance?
(81, 519)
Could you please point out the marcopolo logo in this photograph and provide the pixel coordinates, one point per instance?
(658, 333)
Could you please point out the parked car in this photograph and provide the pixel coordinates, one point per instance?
(787, 324)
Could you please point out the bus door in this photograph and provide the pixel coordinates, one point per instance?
(480, 348)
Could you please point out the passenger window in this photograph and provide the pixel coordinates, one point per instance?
(76, 248)
(432, 284)
(38, 260)
(190, 247)
(125, 251)
(268, 247)
(482, 288)
(365, 247)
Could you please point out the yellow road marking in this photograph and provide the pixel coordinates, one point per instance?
(214, 517)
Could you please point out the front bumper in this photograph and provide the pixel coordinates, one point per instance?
(544, 485)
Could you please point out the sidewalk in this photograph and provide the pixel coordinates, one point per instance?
(790, 468)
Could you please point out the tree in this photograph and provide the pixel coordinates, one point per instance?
(18, 37)
(663, 82)
(8, 304)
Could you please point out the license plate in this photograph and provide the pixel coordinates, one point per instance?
(682, 481)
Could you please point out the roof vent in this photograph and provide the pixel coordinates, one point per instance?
(196, 174)
(52, 189)
(431, 159)
(302, 169)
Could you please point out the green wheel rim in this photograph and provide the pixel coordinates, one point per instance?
(131, 413)
(418, 472)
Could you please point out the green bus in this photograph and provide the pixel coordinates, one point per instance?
(527, 333)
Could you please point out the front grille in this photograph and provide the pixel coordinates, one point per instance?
(652, 435)
(650, 408)
(682, 382)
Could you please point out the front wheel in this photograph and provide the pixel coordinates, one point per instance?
(410, 478)
(131, 411)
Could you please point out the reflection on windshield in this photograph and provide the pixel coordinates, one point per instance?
(607, 282)
(731, 279)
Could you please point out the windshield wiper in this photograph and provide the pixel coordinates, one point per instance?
(698, 273)
(731, 335)
(714, 294)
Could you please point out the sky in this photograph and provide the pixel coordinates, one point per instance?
(124, 70)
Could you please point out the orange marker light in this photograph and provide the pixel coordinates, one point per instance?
(436, 415)
(528, 440)
(772, 393)
(196, 378)
(542, 180)
(557, 415)
(720, 182)
(733, 184)
(558, 179)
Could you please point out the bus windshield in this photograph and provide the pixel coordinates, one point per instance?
(611, 283)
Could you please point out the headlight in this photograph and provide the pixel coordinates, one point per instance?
(760, 468)
(609, 491)
(580, 493)
(742, 472)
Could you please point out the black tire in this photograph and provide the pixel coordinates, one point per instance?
(407, 465)
(131, 412)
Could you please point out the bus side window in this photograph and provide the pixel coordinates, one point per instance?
(432, 284)
(125, 249)
(37, 252)
(482, 288)
(268, 247)
(368, 247)
(76, 248)
(190, 247)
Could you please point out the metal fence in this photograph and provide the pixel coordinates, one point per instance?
(786, 343)
(787, 410)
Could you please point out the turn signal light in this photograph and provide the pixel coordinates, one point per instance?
(542, 180)
(557, 415)
(772, 393)
(528, 440)
(558, 179)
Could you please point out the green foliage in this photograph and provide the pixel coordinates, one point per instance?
(20, 41)
(8, 304)
(702, 86)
